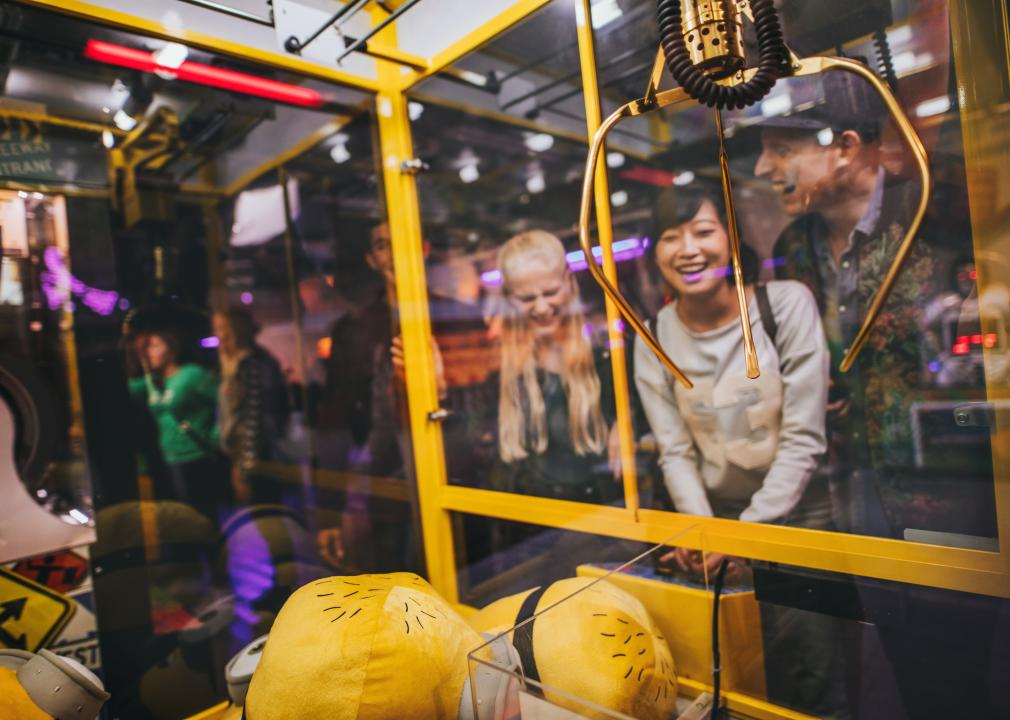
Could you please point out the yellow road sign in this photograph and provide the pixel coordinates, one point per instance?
(31, 615)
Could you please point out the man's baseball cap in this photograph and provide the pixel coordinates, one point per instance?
(836, 99)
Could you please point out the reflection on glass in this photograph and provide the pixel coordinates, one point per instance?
(528, 414)
(824, 192)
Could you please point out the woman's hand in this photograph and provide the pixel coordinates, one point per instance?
(400, 364)
(614, 452)
(701, 565)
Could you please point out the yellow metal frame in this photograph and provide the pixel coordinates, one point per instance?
(908, 562)
(915, 563)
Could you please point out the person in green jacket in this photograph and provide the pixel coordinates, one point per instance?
(182, 398)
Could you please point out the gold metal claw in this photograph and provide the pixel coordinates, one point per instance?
(655, 100)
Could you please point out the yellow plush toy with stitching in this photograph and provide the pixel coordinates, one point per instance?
(364, 647)
(600, 645)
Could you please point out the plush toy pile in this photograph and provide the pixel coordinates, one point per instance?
(379, 647)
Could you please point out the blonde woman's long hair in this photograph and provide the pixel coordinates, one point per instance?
(522, 416)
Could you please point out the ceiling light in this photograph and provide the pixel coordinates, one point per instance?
(108, 139)
(469, 173)
(205, 75)
(604, 12)
(172, 56)
(619, 198)
(536, 183)
(539, 142)
(936, 106)
(339, 152)
(899, 35)
(414, 111)
(910, 62)
(615, 159)
(124, 121)
(683, 178)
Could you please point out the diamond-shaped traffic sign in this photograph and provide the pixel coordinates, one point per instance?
(31, 615)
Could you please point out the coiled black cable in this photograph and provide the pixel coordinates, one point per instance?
(884, 58)
(772, 53)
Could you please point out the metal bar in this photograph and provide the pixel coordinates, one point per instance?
(235, 12)
(385, 52)
(565, 78)
(377, 29)
(749, 351)
(195, 39)
(627, 18)
(404, 217)
(604, 223)
(884, 558)
(348, 17)
(293, 44)
(657, 76)
(620, 78)
(631, 109)
(296, 315)
(60, 121)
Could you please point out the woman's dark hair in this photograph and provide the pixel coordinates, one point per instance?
(678, 205)
(172, 341)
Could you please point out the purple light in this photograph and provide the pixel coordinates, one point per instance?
(59, 286)
(491, 278)
(246, 298)
(210, 342)
(628, 249)
(727, 270)
(935, 366)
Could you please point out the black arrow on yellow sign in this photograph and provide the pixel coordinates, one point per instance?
(12, 610)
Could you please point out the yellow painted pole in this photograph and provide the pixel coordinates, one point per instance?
(415, 326)
(618, 360)
(982, 60)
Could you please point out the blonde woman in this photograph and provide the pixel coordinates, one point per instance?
(556, 430)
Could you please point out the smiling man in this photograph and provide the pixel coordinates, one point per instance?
(849, 215)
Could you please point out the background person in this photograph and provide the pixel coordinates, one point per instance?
(253, 403)
(849, 215)
(182, 398)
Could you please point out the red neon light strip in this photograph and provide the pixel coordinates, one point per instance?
(204, 74)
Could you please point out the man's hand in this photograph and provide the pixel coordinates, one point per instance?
(400, 364)
(330, 543)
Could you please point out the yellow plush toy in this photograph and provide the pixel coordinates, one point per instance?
(363, 647)
(600, 645)
(47, 686)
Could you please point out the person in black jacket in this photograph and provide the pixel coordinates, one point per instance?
(253, 406)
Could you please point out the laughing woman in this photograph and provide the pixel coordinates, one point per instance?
(733, 447)
(738, 448)
(556, 430)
